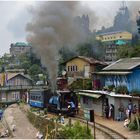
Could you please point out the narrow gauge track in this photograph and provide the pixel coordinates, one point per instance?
(107, 131)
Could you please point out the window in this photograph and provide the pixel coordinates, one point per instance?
(68, 68)
(71, 68)
(76, 69)
(15, 96)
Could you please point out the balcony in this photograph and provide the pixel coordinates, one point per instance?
(75, 73)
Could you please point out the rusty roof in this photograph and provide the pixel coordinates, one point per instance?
(90, 60)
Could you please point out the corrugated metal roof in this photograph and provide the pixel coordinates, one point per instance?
(9, 76)
(124, 64)
(100, 92)
(114, 72)
(90, 94)
(91, 60)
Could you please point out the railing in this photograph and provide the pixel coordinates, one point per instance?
(21, 87)
(75, 74)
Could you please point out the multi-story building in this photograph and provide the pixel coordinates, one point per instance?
(81, 66)
(19, 48)
(112, 40)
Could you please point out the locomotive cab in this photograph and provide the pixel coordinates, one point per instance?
(68, 102)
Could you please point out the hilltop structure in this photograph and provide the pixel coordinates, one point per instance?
(19, 48)
(112, 40)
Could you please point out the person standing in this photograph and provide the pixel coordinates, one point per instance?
(121, 111)
(130, 108)
(107, 111)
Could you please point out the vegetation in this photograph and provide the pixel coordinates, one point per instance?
(82, 84)
(122, 89)
(134, 125)
(129, 51)
(92, 48)
(77, 131)
(40, 123)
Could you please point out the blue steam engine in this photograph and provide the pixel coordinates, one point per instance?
(62, 101)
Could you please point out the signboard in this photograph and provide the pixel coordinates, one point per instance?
(89, 115)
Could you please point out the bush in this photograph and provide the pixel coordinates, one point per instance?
(110, 87)
(122, 89)
(81, 84)
(40, 123)
(76, 131)
(133, 126)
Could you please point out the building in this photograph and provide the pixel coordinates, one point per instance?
(124, 72)
(81, 66)
(19, 48)
(13, 80)
(97, 101)
(112, 40)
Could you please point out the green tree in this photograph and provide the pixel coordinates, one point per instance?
(34, 71)
(77, 131)
(92, 48)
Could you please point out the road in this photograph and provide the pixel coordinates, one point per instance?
(24, 129)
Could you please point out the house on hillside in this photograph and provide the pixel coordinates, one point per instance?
(14, 79)
(81, 66)
(112, 41)
(124, 72)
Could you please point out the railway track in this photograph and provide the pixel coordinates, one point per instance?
(107, 131)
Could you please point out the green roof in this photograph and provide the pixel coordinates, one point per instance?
(19, 44)
(120, 42)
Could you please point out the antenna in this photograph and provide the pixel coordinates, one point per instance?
(123, 7)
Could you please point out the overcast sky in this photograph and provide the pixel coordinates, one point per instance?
(14, 16)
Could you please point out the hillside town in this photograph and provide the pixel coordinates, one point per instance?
(51, 80)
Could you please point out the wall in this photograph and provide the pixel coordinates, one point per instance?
(131, 80)
(134, 80)
(10, 96)
(113, 37)
(93, 103)
(80, 67)
(125, 102)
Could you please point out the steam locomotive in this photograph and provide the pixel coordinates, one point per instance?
(62, 101)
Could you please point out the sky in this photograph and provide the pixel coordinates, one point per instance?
(15, 15)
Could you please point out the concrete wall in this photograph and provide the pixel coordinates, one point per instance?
(92, 103)
(116, 101)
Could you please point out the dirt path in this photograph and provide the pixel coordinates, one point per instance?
(24, 129)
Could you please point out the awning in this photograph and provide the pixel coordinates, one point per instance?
(89, 94)
(114, 72)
